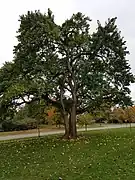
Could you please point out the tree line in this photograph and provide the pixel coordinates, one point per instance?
(33, 117)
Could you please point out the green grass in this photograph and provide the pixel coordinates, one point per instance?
(106, 155)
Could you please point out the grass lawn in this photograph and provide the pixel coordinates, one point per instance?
(106, 155)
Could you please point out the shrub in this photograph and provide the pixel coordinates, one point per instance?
(115, 121)
(100, 120)
(10, 125)
(84, 119)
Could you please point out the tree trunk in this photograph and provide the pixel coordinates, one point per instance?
(70, 125)
(66, 124)
(70, 122)
(73, 122)
(38, 129)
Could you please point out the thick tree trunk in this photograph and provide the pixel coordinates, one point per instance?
(73, 122)
(70, 122)
(70, 125)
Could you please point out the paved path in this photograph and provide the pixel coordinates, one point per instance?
(19, 136)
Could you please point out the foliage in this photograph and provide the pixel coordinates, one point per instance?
(95, 155)
(115, 115)
(85, 119)
(119, 115)
(26, 117)
(31, 115)
(54, 116)
(124, 115)
(23, 124)
(103, 113)
(34, 110)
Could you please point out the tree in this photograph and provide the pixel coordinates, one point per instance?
(118, 115)
(126, 114)
(103, 113)
(54, 115)
(70, 68)
(85, 119)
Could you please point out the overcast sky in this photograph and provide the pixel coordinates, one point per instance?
(63, 9)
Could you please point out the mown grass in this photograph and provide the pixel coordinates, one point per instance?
(106, 155)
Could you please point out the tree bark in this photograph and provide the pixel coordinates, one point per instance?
(73, 122)
(65, 116)
(70, 125)
(66, 124)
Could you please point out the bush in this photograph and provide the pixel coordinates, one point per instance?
(100, 120)
(85, 119)
(115, 121)
(11, 125)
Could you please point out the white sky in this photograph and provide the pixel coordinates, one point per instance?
(63, 9)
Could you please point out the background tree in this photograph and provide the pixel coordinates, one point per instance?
(54, 116)
(124, 115)
(85, 119)
(103, 112)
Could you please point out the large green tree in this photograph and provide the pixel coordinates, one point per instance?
(68, 66)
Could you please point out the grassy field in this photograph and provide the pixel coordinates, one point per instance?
(106, 155)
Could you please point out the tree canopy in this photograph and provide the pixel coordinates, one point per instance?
(67, 66)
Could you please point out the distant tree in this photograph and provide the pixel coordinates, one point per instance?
(130, 113)
(85, 119)
(118, 115)
(126, 114)
(54, 115)
(103, 112)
